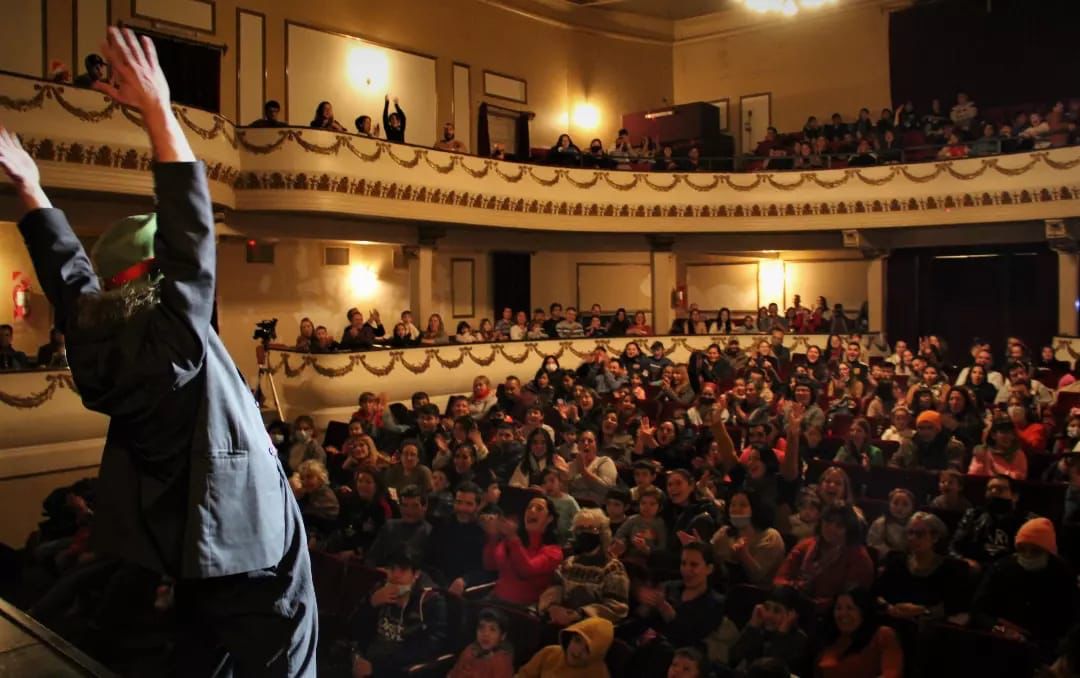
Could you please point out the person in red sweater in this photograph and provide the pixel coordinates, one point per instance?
(525, 552)
(1032, 435)
(830, 563)
(859, 646)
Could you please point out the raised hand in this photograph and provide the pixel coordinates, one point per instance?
(21, 169)
(138, 79)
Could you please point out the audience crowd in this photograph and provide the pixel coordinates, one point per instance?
(750, 512)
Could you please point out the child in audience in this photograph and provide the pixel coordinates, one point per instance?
(901, 428)
(579, 654)
(644, 478)
(889, 532)
(616, 505)
(566, 505)
(688, 662)
(951, 492)
(773, 631)
(804, 524)
(490, 655)
(644, 533)
(441, 500)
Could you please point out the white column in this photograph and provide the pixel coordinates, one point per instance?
(663, 283)
(421, 275)
(1068, 292)
(875, 293)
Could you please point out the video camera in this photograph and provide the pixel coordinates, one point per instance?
(265, 330)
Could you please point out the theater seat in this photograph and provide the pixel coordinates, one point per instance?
(946, 651)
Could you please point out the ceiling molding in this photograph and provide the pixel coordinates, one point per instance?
(739, 21)
(631, 27)
(628, 27)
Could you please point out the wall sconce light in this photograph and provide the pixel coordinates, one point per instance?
(586, 116)
(362, 281)
(369, 68)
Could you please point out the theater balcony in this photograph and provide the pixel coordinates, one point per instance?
(88, 143)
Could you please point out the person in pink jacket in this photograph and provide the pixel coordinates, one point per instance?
(525, 553)
(1001, 455)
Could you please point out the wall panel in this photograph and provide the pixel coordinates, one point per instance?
(714, 286)
(615, 285)
(22, 38)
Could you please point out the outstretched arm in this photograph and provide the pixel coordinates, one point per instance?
(184, 243)
(61, 264)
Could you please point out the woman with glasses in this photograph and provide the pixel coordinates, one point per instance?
(923, 581)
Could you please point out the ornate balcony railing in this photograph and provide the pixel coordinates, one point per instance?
(85, 141)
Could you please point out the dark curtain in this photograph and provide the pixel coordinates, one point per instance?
(959, 293)
(1004, 53)
(192, 69)
(483, 137)
(522, 137)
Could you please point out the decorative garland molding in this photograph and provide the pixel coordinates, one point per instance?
(71, 130)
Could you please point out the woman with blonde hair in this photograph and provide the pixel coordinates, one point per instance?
(435, 334)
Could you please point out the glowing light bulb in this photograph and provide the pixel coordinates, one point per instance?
(586, 116)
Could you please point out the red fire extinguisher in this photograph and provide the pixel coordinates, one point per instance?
(20, 295)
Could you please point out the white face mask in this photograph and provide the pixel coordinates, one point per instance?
(1073, 431)
(551, 367)
(303, 435)
(1033, 563)
(278, 438)
(1015, 412)
(739, 522)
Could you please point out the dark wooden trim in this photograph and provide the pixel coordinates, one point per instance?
(45, 40)
(726, 123)
(472, 302)
(189, 27)
(39, 474)
(178, 37)
(239, 51)
(76, 62)
(453, 101)
(342, 34)
(525, 84)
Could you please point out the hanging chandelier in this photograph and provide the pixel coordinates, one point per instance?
(783, 7)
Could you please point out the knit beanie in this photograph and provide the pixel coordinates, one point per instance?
(1038, 532)
(127, 243)
(929, 417)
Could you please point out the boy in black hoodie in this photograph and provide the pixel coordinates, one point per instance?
(403, 622)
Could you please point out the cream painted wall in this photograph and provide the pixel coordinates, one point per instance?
(838, 62)
(32, 331)
(441, 287)
(617, 76)
(21, 37)
(299, 285)
(839, 275)
(355, 76)
(553, 276)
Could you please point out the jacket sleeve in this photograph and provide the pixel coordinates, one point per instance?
(544, 562)
(63, 270)
(401, 114)
(185, 253)
(788, 574)
(386, 116)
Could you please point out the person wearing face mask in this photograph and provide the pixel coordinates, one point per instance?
(304, 445)
(751, 548)
(1030, 595)
(590, 582)
(595, 157)
(279, 435)
(985, 534)
(403, 622)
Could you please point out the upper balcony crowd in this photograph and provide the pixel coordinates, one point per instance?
(906, 134)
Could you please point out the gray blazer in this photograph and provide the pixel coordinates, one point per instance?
(190, 484)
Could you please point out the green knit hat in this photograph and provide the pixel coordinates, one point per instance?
(127, 242)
